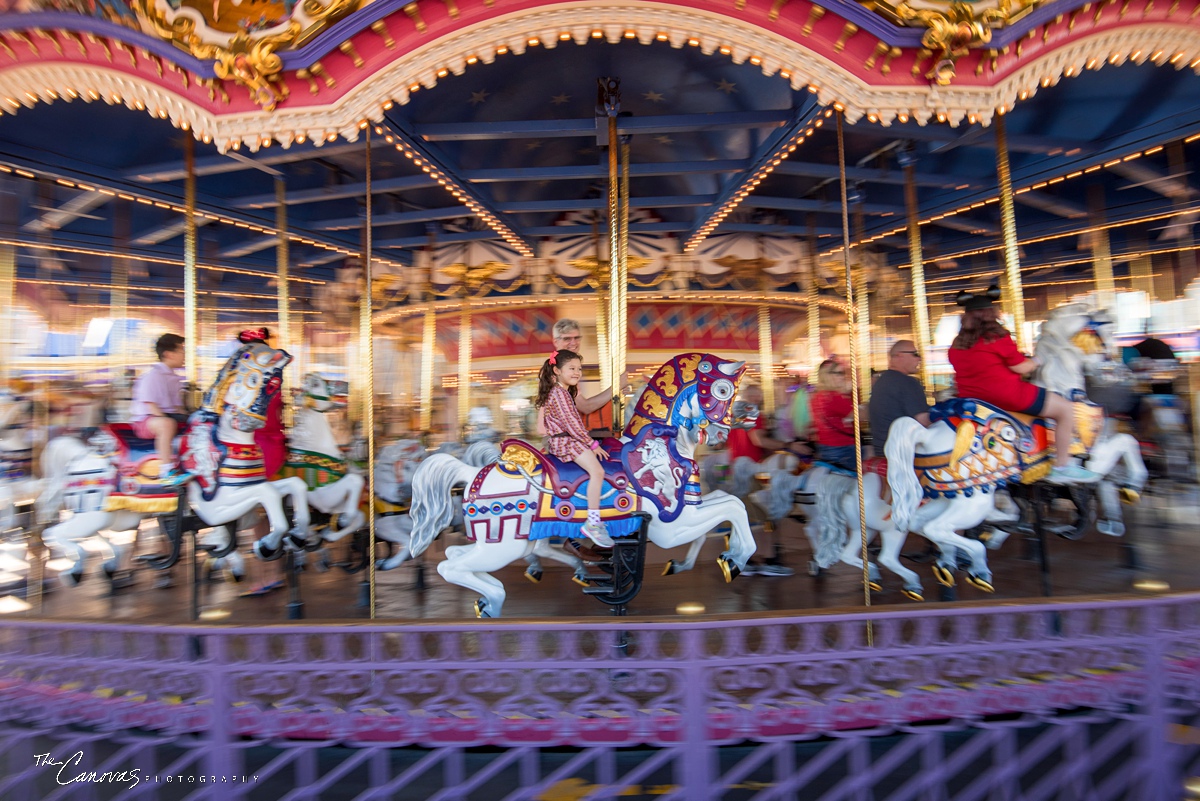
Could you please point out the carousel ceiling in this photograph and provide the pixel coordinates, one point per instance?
(488, 143)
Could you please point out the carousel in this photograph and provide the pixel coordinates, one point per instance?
(376, 226)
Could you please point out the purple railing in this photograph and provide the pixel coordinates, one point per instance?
(1047, 695)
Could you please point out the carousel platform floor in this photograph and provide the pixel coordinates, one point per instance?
(1162, 529)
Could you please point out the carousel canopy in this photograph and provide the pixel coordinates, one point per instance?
(490, 142)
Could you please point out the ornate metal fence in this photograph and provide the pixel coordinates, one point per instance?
(1088, 700)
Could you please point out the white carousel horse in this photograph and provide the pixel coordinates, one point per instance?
(511, 507)
(716, 472)
(109, 484)
(315, 457)
(17, 482)
(393, 495)
(220, 452)
(1074, 346)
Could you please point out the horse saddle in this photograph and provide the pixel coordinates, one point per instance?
(563, 479)
(138, 486)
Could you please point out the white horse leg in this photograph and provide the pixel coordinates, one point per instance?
(962, 514)
(66, 537)
(297, 490)
(471, 566)
(689, 561)
(889, 557)
(340, 498)
(395, 529)
(696, 521)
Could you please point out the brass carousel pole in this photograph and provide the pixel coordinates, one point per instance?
(622, 332)
(852, 314)
(118, 297)
(191, 365)
(366, 361)
(284, 338)
(429, 331)
(1106, 287)
(464, 360)
(865, 349)
(766, 350)
(611, 97)
(601, 308)
(920, 305)
(814, 307)
(1008, 221)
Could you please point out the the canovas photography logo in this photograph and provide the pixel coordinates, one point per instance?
(71, 771)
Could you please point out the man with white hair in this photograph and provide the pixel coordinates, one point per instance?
(569, 336)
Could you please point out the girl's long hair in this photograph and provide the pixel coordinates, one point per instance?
(978, 324)
(547, 379)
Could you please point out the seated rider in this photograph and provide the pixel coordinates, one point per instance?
(157, 409)
(756, 443)
(833, 416)
(566, 437)
(988, 366)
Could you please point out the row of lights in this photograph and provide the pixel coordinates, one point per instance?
(1033, 187)
(766, 168)
(169, 206)
(453, 187)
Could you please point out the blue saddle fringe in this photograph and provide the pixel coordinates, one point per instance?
(544, 529)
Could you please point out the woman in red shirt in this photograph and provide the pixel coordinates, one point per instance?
(832, 416)
(988, 366)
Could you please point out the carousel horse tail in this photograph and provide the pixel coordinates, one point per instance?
(832, 523)
(481, 454)
(56, 462)
(779, 496)
(432, 504)
(903, 438)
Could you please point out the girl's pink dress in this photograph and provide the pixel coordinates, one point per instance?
(566, 437)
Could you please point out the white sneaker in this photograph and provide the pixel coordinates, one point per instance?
(772, 569)
(598, 533)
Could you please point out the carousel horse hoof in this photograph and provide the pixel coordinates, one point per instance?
(533, 575)
(669, 569)
(267, 554)
(324, 562)
(943, 576)
(1130, 496)
(728, 567)
(979, 583)
(912, 595)
(580, 580)
(993, 539)
(71, 578)
(163, 581)
(875, 586)
(121, 580)
(481, 610)
(1112, 528)
(873, 573)
(814, 569)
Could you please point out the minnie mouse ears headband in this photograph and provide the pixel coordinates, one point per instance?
(253, 335)
(973, 302)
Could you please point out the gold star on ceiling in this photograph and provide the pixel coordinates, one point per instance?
(726, 87)
(653, 97)
(558, 100)
(478, 97)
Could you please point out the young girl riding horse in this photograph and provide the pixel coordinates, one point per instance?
(566, 436)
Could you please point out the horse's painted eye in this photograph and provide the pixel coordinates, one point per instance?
(705, 367)
(1008, 434)
(722, 390)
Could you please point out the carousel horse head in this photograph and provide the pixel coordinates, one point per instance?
(394, 470)
(1073, 342)
(245, 386)
(479, 426)
(747, 406)
(322, 394)
(693, 392)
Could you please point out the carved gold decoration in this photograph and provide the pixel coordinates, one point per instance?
(7, 49)
(847, 32)
(519, 456)
(347, 47)
(476, 276)
(318, 69)
(653, 405)
(451, 8)
(102, 43)
(380, 27)
(776, 7)
(247, 57)
(814, 16)
(666, 383)
(952, 32)
(887, 60)
(687, 366)
(598, 270)
(21, 37)
(53, 42)
(880, 49)
(414, 13)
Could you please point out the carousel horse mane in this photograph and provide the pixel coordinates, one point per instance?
(1062, 360)
(393, 470)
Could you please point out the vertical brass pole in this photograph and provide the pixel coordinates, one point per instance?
(601, 277)
(814, 307)
(852, 314)
(464, 361)
(191, 367)
(1185, 259)
(1102, 266)
(366, 345)
(622, 332)
(614, 262)
(920, 303)
(281, 264)
(118, 297)
(766, 358)
(1143, 273)
(428, 333)
(866, 355)
(1008, 221)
